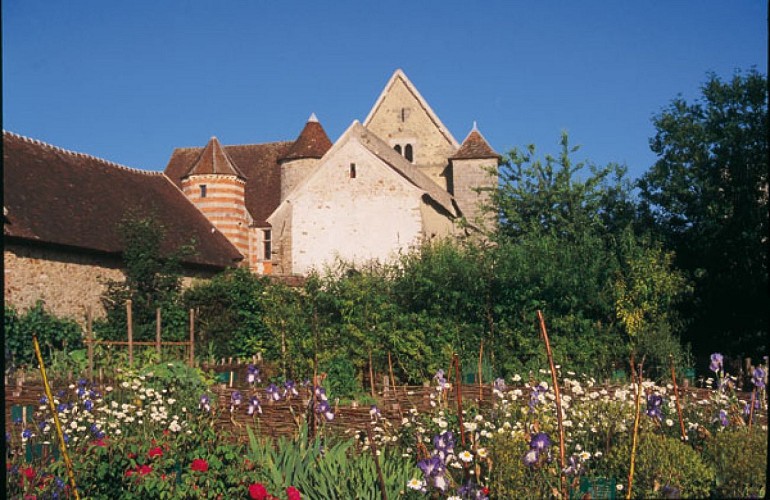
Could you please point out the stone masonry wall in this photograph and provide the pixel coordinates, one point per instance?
(68, 282)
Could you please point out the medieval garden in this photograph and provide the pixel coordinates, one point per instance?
(394, 315)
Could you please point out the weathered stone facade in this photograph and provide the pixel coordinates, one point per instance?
(69, 282)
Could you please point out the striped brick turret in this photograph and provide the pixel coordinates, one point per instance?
(217, 188)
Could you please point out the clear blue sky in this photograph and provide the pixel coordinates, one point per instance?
(129, 81)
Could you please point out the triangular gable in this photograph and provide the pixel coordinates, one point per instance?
(400, 78)
(392, 159)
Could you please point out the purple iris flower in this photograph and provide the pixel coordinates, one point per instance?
(82, 382)
(440, 380)
(289, 389)
(431, 467)
(540, 442)
(717, 363)
(272, 392)
(88, 405)
(26, 433)
(758, 377)
(252, 375)
(654, 406)
(205, 403)
(573, 466)
(254, 406)
(444, 444)
(499, 384)
(236, 398)
(324, 408)
(320, 393)
(375, 413)
(42, 425)
(62, 407)
(44, 400)
(723, 418)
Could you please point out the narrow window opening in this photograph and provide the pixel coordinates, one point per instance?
(267, 244)
(352, 170)
(408, 153)
(203, 190)
(397, 147)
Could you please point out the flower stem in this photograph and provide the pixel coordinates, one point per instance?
(676, 395)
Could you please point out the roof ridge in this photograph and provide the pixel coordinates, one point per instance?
(59, 149)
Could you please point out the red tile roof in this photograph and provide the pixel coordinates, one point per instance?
(311, 143)
(474, 147)
(59, 197)
(259, 165)
(214, 160)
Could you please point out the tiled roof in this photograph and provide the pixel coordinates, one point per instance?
(474, 147)
(311, 143)
(59, 197)
(214, 160)
(259, 165)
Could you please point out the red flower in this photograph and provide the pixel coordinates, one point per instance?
(144, 470)
(293, 493)
(130, 472)
(485, 490)
(199, 465)
(155, 452)
(257, 491)
(99, 442)
(29, 473)
(132, 456)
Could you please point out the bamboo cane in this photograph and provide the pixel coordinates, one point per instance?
(676, 394)
(57, 424)
(157, 332)
(130, 325)
(481, 354)
(459, 396)
(371, 374)
(373, 449)
(637, 415)
(554, 380)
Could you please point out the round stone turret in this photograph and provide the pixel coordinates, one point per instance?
(302, 156)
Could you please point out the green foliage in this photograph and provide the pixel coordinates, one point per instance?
(153, 280)
(706, 196)
(340, 377)
(230, 309)
(739, 457)
(510, 478)
(58, 337)
(324, 470)
(661, 462)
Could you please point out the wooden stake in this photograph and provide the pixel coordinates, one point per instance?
(481, 354)
(192, 338)
(637, 415)
(559, 417)
(676, 394)
(129, 321)
(373, 449)
(459, 396)
(157, 332)
(371, 373)
(90, 339)
(392, 378)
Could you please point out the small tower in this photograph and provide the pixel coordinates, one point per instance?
(471, 171)
(217, 188)
(303, 155)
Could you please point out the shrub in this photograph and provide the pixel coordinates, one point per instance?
(664, 465)
(510, 477)
(739, 457)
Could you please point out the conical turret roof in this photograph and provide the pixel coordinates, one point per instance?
(475, 147)
(214, 160)
(311, 143)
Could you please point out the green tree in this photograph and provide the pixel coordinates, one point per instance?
(707, 196)
(153, 279)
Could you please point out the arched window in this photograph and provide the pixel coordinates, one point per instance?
(397, 147)
(352, 171)
(408, 153)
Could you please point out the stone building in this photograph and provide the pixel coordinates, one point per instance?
(281, 208)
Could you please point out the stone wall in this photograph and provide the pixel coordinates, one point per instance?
(68, 282)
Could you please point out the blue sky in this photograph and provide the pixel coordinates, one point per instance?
(129, 81)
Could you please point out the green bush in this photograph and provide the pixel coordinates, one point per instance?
(739, 457)
(341, 377)
(510, 478)
(664, 465)
(53, 334)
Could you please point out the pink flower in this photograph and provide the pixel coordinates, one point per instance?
(199, 465)
(257, 491)
(155, 452)
(293, 493)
